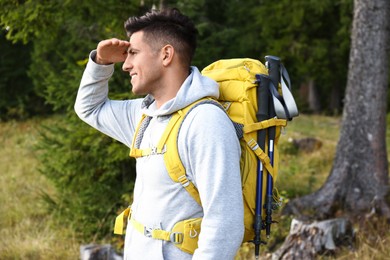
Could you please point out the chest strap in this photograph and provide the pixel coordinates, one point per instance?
(167, 145)
(135, 150)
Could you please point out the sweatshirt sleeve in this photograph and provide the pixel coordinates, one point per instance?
(115, 118)
(213, 159)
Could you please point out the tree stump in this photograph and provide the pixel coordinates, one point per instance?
(308, 240)
(98, 252)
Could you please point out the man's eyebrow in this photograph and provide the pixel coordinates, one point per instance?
(131, 49)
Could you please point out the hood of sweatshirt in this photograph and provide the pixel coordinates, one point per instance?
(193, 88)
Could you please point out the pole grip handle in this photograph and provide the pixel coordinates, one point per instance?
(262, 97)
(273, 65)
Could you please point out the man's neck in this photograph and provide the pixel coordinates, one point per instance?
(172, 83)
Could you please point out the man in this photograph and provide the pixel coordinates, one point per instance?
(157, 58)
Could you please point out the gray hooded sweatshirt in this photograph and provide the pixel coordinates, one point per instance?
(208, 148)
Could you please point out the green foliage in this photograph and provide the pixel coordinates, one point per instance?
(312, 37)
(17, 98)
(226, 29)
(59, 62)
(91, 172)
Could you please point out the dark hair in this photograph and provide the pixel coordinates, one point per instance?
(168, 26)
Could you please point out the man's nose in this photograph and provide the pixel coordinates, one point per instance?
(127, 64)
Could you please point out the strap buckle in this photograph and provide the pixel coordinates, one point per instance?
(148, 231)
(176, 237)
(153, 151)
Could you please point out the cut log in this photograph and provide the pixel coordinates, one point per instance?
(308, 240)
(98, 252)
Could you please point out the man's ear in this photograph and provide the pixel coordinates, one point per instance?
(167, 53)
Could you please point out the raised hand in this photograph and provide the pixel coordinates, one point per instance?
(111, 51)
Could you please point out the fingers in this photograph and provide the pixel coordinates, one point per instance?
(120, 43)
(111, 51)
(113, 42)
(123, 45)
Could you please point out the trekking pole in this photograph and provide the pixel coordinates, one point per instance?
(273, 65)
(261, 115)
(269, 200)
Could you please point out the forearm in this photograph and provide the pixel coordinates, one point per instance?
(93, 90)
(114, 118)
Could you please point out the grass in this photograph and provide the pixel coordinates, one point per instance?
(302, 173)
(29, 231)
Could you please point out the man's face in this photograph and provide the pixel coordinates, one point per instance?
(144, 65)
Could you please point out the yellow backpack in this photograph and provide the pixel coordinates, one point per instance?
(238, 81)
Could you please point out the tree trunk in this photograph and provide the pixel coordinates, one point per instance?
(334, 105)
(313, 98)
(358, 181)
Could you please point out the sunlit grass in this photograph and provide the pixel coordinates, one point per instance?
(299, 172)
(27, 229)
(302, 173)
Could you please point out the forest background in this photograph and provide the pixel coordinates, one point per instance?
(45, 46)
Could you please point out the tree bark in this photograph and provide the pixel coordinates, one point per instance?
(313, 98)
(358, 181)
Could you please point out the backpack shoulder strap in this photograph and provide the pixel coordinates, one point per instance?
(135, 150)
(172, 159)
(168, 146)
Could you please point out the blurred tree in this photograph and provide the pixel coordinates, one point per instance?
(312, 38)
(92, 172)
(226, 29)
(17, 97)
(358, 182)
